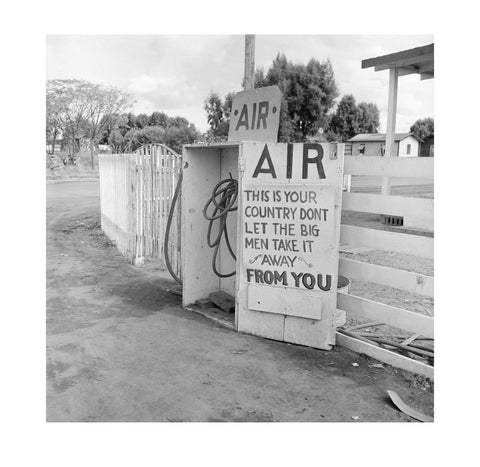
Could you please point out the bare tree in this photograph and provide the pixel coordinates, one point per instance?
(104, 103)
(81, 110)
(55, 114)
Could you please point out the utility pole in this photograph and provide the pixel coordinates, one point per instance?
(249, 79)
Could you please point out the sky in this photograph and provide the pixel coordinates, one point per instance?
(174, 74)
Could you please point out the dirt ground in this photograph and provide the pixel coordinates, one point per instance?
(121, 348)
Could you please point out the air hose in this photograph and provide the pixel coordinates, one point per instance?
(223, 197)
(167, 230)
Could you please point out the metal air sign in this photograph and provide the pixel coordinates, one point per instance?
(290, 231)
(255, 115)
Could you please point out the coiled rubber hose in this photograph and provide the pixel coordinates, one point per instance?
(223, 197)
(226, 191)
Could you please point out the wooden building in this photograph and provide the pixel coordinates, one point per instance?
(373, 144)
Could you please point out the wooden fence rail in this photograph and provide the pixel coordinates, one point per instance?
(409, 167)
(388, 241)
(136, 192)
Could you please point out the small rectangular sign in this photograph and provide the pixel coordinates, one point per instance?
(255, 115)
(294, 303)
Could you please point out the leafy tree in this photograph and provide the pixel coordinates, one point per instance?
(423, 127)
(331, 136)
(345, 121)
(309, 92)
(178, 122)
(148, 135)
(158, 119)
(80, 110)
(227, 105)
(221, 132)
(214, 107)
(218, 116)
(129, 141)
(176, 136)
(368, 118)
(178, 132)
(116, 140)
(140, 121)
(351, 119)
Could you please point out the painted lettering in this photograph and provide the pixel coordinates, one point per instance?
(267, 277)
(243, 120)
(317, 160)
(262, 114)
(265, 157)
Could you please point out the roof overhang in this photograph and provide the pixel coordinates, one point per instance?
(419, 60)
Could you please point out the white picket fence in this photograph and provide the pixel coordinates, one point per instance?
(136, 192)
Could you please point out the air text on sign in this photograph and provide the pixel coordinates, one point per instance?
(312, 154)
(255, 115)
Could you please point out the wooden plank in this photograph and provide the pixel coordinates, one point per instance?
(312, 332)
(391, 122)
(400, 58)
(415, 61)
(411, 339)
(199, 179)
(391, 205)
(428, 67)
(223, 300)
(419, 68)
(355, 249)
(387, 314)
(385, 356)
(389, 277)
(425, 67)
(261, 324)
(416, 245)
(289, 302)
(204, 303)
(407, 70)
(406, 409)
(409, 167)
(307, 332)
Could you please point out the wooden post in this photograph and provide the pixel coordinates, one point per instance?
(391, 120)
(249, 80)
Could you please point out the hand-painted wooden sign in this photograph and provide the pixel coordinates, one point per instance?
(255, 115)
(289, 234)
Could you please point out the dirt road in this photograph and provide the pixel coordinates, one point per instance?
(121, 348)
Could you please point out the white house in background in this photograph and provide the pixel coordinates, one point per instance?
(373, 144)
